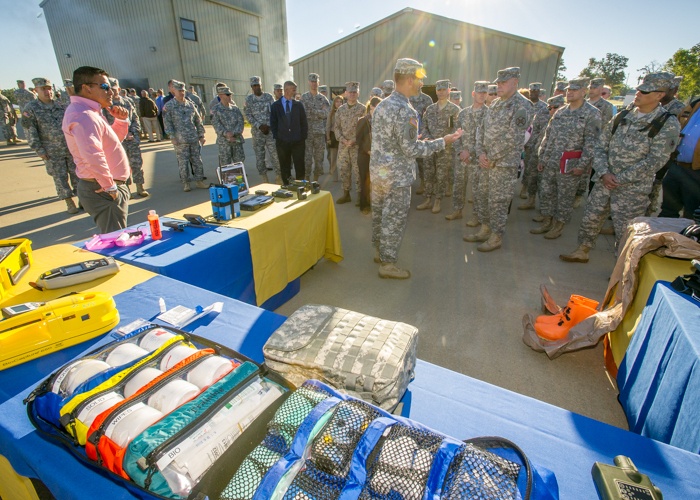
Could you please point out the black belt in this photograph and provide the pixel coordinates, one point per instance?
(118, 183)
(683, 164)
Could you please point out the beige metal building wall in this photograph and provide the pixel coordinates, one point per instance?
(135, 39)
(369, 55)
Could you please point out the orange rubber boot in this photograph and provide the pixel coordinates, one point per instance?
(573, 300)
(570, 316)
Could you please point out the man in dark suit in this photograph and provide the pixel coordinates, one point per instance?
(289, 128)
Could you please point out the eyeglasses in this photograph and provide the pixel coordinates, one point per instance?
(103, 86)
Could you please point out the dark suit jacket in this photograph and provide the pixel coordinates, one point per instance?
(293, 130)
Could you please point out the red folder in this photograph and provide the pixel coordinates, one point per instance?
(565, 156)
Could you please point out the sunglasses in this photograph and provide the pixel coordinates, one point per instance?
(646, 92)
(103, 86)
(552, 107)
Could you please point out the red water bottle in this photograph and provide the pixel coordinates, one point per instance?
(154, 222)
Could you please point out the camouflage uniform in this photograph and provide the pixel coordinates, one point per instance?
(675, 107)
(438, 123)
(317, 108)
(345, 128)
(197, 102)
(539, 123)
(420, 103)
(184, 126)
(606, 113)
(42, 123)
(257, 111)
(568, 130)
(228, 119)
(24, 97)
(9, 119)
(132, 147)
(469, 120)
(392, 165)
(633, 158)
(501, 140)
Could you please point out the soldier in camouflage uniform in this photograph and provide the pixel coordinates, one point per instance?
(469, 120)
(392, 165)
(539, 122)
(574, 127)
(439, 120)
(23, 96)
(456, 98)
(70, 91)
(277, 91)
(257, 111)
(387, 87)
(42, 120)
(420, 103)
(132, 141)
(345, 129)
(376, 92)
(228, 123)
(492, 95)
(184, 127)
(317, 108)
(9, 119)
(560, 89)
(194, 97)
(626, 171)
(670, 102)
(499, 145)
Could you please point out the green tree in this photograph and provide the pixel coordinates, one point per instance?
(10, 94)
(611, 67)
(686, 63)
(560, 71)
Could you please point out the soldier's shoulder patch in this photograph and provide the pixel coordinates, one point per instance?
(411, 129)
(26, 114)
(671, 145)
(520, 118)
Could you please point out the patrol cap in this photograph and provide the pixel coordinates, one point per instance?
(677, 81)
(408, 66)
(352, 86)
(177, 85)
(114, 83)
(535, 86)
(456, 94)
(493, 89)
(68, 83)
(20, 81)
(561, 85)
(387, 86)
(577, 84)
(442, 84)
(313, 77)
(597, 82)
(223, 90)
(376, 91)
(557, 101)
(656, 82)
(323, 88)
(41, 82)
(254, 80)
(506, 74)
(482, 86)
(277, 86)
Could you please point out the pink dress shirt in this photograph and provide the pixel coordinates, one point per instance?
(95, 145)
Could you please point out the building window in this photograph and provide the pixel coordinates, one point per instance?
(189, 30)
(253, 43)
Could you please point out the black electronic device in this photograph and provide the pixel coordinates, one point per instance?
(175, 226)
(256, 202)
(282, 193)
(315, 187)
(261, 192)
(195, 220)
(301, 195)
(74, 274)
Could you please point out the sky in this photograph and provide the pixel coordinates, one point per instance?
(645, 31)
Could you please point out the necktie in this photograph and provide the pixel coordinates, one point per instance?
(289, 104)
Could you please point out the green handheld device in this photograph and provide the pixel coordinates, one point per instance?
(623, 481)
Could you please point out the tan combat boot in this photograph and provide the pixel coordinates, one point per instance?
(457, 214)
(377, 258)
(201, 185)
(344, 199)
(141, 191)
(523, 192)
(483, 235)
(607, 230)
(450, 188)
(538, 218)
(390, 271)
(17, 140)
(265, 178)
(473, 221)
(186, 187)
(578, 255)
(70, 206)
(555, 232)
(426, 204)
(493, 243)
(436, 206)
(421, 188)
(577, 201)
(529, 204)
(545, 227)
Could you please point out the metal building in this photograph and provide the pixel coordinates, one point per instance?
(147, 43)
(448, 48)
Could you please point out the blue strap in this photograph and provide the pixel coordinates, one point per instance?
(441, 464)
(296, 451)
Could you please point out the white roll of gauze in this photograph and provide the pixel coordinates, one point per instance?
(139, 379)
(97, 406)
(155, 338)
(125, 353)
(209, 371)
(78, 373)
(172, 395)
(131, 422)
(175, 355)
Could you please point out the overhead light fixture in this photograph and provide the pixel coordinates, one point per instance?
(456, 46)
(152, 49)
(67, 56)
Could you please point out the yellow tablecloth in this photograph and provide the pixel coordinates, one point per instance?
(652, 268)
(284, 243)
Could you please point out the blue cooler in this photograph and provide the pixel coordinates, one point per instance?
(224, 201)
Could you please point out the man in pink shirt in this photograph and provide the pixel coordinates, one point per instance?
(101, 163)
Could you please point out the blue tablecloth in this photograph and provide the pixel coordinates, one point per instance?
(659, 378)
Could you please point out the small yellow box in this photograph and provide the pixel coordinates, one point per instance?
(15, 260)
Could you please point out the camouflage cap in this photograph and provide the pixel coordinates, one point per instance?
(277, 86)
(442, 84)
(388, 86)
(535, 86)
(482, 86)
(506, 74)
(254, 80)
(578, 84)
(20, 81)
(114, 83)
(313, 77)
(557, 101)
(177, 85)
(323, 88)
(560, 85)
(408, 66)
(456, 94)
(68, 83)
(352, 86)
(376, 91)
(493, 89)
(41, 82)
(597, 82)
(677, 81)
(223, 90)
(656, 82)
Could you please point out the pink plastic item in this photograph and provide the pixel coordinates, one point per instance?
(130, 238)
(101, 241)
